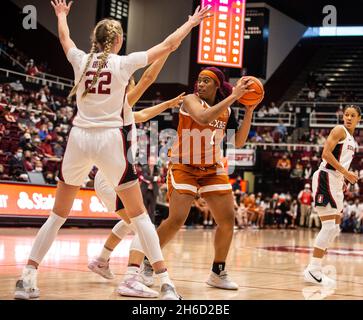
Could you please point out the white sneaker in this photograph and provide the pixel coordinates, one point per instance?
(26, 288)
(319, 278)
(168, 292)
(102, 268)
(133, 288)
(146, 274)
(221, 281)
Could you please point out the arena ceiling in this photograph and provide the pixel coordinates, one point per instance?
(310, 12)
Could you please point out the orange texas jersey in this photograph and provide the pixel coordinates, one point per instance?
(200, 145)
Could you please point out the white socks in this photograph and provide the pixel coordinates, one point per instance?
(105, 254)
(164, 278)
(29, 276)
(148, 237)
(45, 237)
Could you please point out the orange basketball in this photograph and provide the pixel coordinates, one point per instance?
(255, 97)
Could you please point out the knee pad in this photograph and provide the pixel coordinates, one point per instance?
(121, 229)
(326, 235)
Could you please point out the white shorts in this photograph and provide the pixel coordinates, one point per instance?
(107, 194)
(328, 193)
(105, 148)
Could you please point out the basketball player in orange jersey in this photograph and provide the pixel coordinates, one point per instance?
(97, 137)
(328, 185)
(196, 163)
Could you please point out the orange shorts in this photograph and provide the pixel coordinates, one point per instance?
(191, 180)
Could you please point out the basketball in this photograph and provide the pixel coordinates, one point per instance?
(255, 97)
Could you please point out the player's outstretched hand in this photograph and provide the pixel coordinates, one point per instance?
(199, 15)
(177, 101)
(61, 7)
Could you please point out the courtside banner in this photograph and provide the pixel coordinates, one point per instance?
(241, 157)
(30, 200)
(221, 36)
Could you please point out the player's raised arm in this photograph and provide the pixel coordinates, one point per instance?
(151, 112)
(147, 79)
(173, 41)
(61, 9)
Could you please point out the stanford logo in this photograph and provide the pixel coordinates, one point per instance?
(320, 198)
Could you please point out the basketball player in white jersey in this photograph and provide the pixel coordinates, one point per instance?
(130, 286)
(97, 137)
(328, 185)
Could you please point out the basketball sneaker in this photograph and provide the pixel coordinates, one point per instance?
(221, 281)
(102, 268)
(168, 292)
(25, 288)
(131, 287)
(319, 278)
(146, 273)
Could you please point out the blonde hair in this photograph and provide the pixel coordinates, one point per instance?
(103, 37)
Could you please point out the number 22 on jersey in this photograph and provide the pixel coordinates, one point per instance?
(104, 82)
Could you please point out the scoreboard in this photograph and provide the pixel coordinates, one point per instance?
(221, 36)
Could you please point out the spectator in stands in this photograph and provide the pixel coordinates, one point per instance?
(292, 214)
(308, 171)
(262, 112)
(49, 178)
(298, 170)
(2, 129)
(261, 210)
(283, 164)
(31, 69)
(46, 147)
(38, 167)
(204, 210)
(320, 140)
(281, 131)
(9, 117)
(273, 110)
(34, 118)
(58, 149)
(350, 223)
(16, 164)
(305, 198)
(237, 189)
(26, 142)
(241, 215)
(43, 132)
(27, 162)
(311, 95)
(267, 137)
(17, 86)
(314, 218)
(324, 93)
(281, 211)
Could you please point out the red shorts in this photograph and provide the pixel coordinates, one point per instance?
(189, 179)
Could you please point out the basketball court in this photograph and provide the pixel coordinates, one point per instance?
(266, 264)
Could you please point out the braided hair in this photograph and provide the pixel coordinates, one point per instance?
(103, 38)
